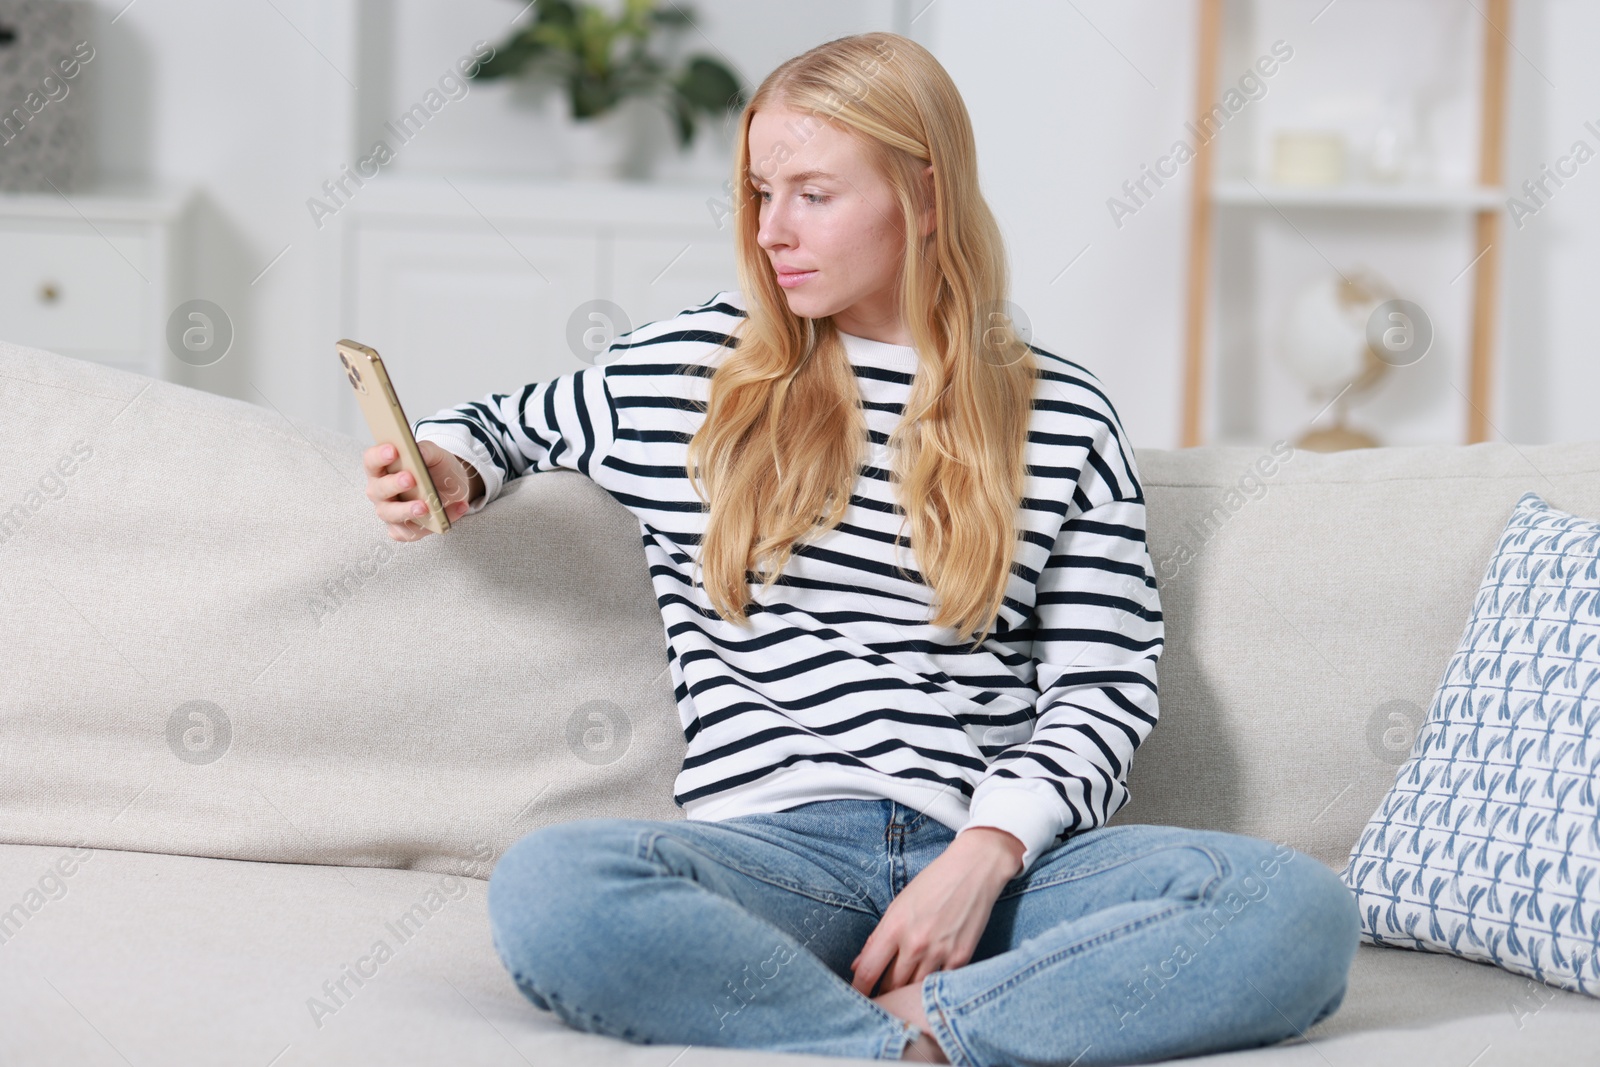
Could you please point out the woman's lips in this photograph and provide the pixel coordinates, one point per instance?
(789, 281)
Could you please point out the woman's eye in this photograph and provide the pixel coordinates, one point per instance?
(816, 197)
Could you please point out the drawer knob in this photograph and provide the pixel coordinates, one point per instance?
(49, 293)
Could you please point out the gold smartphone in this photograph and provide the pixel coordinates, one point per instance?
(364, 370)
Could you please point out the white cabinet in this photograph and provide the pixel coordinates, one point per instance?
(94, 275)
(468, 287)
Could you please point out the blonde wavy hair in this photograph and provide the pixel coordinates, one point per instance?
(784, 435)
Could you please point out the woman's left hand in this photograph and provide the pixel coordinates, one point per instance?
(934, 924)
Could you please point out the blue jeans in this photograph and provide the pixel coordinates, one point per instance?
(1123, 944)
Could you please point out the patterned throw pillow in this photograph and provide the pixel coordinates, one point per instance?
(1488, 844)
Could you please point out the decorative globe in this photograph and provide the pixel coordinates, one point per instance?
(1324, 345)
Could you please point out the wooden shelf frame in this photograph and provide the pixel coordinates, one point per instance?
(1483, 200)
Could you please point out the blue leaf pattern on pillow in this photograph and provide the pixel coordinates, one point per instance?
(1488, 844)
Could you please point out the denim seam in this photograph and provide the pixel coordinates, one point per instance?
(905, 1035)
(1015, 979)
(531, 991)
(1205, 898)
(647, 851)
(944, 1034)
(1082, 872)
(915, 822)
(597, 1024)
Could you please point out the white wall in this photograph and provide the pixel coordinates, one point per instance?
(1552, 357)
(248, 102)
(255, 103)
(1063, 116)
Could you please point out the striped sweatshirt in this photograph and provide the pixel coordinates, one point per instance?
(842, 687)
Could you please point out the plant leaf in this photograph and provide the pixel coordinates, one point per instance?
(710, 86)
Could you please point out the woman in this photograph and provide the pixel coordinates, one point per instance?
(895, 842)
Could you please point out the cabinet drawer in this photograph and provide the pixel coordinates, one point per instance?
(73, 290)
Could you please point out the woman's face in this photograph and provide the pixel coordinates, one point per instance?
(823, 210)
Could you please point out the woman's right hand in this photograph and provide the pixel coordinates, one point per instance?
(452, 480)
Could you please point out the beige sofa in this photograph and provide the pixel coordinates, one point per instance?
(246, 739)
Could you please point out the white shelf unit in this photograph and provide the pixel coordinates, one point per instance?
(1433, 236)
(1239, 192)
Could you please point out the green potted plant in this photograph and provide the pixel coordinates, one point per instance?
(603, 61)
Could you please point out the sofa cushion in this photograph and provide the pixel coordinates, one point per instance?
(1311, 604)
(144, 958)
(1488, 844)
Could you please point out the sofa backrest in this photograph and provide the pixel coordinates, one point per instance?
(1311, 605)
(210, 646)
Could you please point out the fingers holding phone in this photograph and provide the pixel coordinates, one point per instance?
(456, 480)
(364, 371)
(452, 479)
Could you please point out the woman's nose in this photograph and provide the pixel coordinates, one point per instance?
(775, 230)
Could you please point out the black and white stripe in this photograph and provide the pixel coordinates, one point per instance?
(842, 688)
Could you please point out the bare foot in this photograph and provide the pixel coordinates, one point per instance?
(906, 1003)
